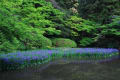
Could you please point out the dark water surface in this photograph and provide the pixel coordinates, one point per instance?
(67, 71)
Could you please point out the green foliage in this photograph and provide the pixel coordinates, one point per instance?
(7, 47)
(37, 42)
(6, 23)
(28, 24)
(108, 35)
(80, 24)
(86, 41)
(114, 26)
(16, 30)
(40, 14)
(63, 42)
(7, 26)
(69, 6)
(66, 3)
(80, 29)
(99, 10)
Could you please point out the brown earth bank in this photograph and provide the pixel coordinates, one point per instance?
(66, 71)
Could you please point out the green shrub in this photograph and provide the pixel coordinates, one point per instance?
(45, 42)
(7, 47)
(36, 42)
(22, 24)
(109, 34)
(80, 29)
(63, 42)
(86, 41)
(41, 15)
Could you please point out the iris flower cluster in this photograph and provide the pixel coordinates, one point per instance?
(19, 60)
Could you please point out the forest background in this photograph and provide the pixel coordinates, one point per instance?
(46, 24)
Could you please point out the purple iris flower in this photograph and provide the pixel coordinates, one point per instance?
(21, 57)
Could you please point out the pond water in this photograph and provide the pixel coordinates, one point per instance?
(67, 71)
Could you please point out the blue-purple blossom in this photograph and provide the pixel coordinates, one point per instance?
(42, 56)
